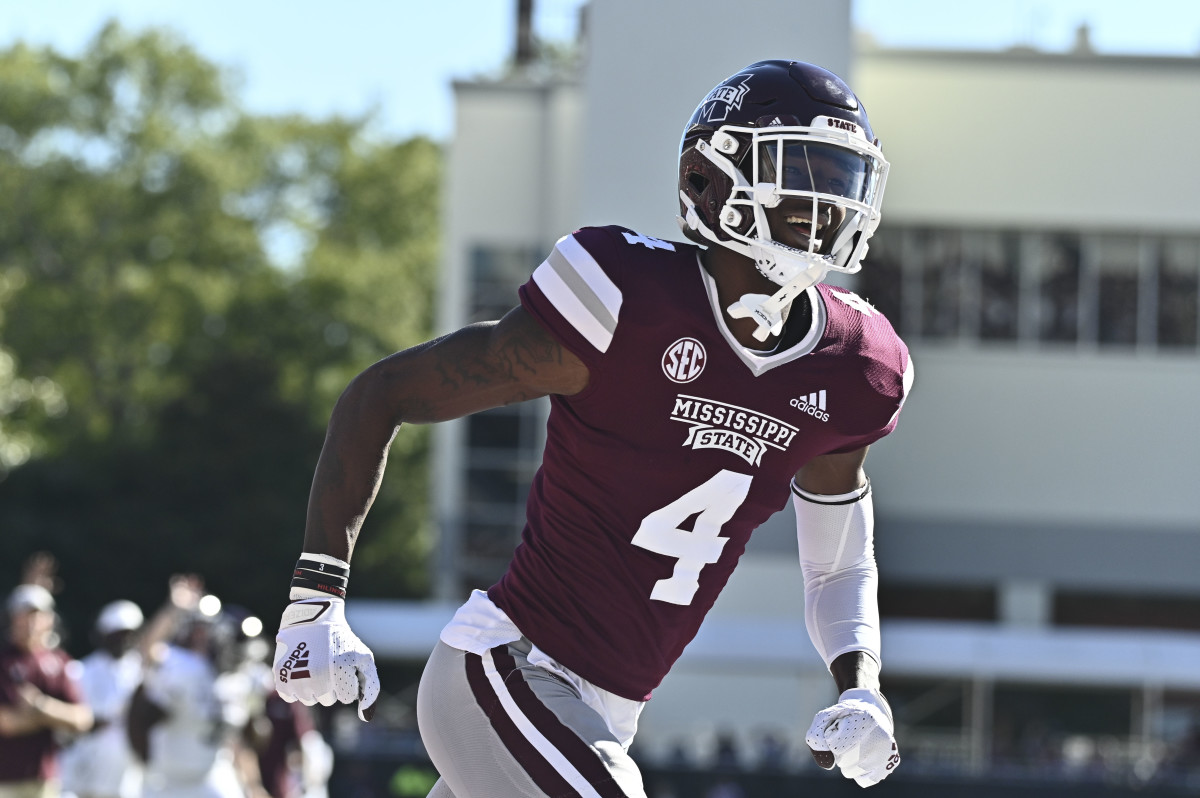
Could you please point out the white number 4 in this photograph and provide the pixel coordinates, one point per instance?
(653, 243)
(716, 501)
(855, 301)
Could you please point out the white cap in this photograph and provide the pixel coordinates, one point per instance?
(119, 616)
(30, 597)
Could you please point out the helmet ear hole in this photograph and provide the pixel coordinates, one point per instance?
(697, 181)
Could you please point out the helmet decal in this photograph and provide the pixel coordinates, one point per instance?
(724, 98)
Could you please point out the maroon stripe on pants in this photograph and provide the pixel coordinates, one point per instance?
(562, 737)
(531, 761)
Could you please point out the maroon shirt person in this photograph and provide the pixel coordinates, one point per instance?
(37, 696)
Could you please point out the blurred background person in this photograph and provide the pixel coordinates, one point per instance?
(101, 764)
(187, 719)
(38, 697)
(293, 757)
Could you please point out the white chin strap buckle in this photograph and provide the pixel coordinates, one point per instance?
(755, 306)
(770, 311)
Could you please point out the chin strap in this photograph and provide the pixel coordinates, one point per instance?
(769, 312)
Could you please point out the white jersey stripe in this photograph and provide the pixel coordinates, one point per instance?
(602, 287)
(567, 303)
(582, 292)
(544, 747)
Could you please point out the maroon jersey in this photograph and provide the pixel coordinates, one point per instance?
(31, 757)
(682, 444)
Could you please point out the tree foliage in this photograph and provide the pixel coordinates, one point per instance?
(185, 288)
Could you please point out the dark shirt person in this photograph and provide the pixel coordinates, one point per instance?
(38, 697)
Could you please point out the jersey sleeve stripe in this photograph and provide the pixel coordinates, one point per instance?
(581, 291)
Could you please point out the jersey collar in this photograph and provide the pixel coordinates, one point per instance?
(761, 362)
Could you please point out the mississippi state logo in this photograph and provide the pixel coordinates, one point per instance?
(740, 430)
(722, 98)
(684, 360)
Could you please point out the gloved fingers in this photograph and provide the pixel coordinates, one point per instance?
(368, 687)
(823, 757)
(327, 699)
(820, 728)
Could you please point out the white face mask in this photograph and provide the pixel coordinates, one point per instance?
(832, 178)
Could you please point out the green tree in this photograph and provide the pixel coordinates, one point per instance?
(185, 288)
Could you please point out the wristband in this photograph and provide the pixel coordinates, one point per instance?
(318, 575)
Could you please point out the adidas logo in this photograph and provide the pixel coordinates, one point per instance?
(296, 665)
(813, 405)
(776, 122)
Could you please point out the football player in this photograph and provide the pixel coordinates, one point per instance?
(694, 388)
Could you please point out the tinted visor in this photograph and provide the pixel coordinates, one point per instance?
(820, 168)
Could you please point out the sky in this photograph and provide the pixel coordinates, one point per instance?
(398, 57)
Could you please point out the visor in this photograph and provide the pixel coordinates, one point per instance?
(808, 167)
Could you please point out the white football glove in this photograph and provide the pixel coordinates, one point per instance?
(318, 660)
(858, 733)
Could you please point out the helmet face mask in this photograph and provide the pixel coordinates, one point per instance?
(786, 140)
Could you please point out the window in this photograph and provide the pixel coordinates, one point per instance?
(1178, 292)
(946, 602)
(998, 258)
(1117, 261)
(496, 274)
(1056, 270)
(1073, 608)
(1053, 288)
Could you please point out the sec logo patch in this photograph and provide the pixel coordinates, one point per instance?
(684, 360)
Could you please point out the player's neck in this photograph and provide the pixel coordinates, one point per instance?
(736, 275)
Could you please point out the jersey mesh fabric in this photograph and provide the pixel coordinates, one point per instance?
(637, 460)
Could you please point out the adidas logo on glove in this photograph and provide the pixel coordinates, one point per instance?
(297, 659)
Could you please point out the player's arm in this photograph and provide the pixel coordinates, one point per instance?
(835, 533)
(142, 716)
(834, 476)
(56, 713)
(479, 367)
(318, 659)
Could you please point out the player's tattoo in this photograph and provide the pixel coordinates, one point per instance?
(518, 356)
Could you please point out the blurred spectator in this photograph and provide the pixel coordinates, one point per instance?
(101, 764)
(37, 696)
(772, 752)
(187, 720)
(725, 789)
(726, 757)
(293, 757)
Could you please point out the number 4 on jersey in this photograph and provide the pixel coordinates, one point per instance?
(653, 243)
(855, 301)
(716, 501)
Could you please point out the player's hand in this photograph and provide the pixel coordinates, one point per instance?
(856, 734)
(318, 660)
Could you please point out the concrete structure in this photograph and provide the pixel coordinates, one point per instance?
(1040, 252)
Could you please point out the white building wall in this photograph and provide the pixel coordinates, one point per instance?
(1036, 140)
(650, 64)
(1045, 438)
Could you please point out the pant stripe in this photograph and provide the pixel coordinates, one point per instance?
(531, 750)
(581, 756)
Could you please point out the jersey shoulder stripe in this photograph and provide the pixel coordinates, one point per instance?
(581, 291)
